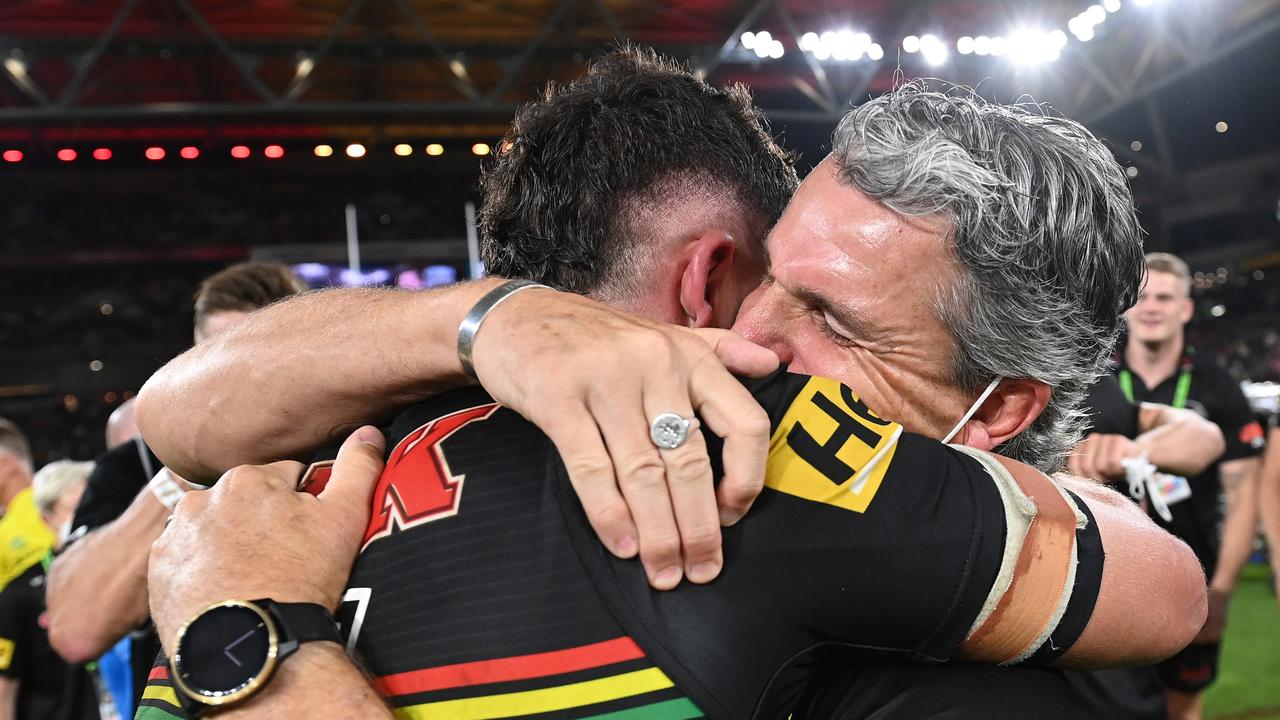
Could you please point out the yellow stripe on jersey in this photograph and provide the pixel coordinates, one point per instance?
(163, 693)
(826, 440)
(531, 702)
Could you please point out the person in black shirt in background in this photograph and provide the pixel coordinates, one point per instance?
(98, 586)
(1157, 366)
(35, 683)
(1176, 441)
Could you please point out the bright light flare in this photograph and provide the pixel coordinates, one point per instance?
(356, 150)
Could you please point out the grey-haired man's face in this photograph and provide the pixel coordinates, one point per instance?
(851, 297)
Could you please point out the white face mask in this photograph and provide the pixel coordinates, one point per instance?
(972, 409)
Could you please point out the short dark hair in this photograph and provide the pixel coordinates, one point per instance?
(14, 441)
(559, 192)
(245, 287)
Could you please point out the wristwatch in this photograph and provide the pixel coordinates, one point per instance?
(230, 650)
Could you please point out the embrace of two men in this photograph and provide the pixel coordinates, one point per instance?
(959, 268)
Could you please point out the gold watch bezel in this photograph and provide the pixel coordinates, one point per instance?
(249, 688)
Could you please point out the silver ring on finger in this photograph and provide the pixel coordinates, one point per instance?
(669, 430)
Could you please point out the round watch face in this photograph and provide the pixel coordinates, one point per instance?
(226, 651)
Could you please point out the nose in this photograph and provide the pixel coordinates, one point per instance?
(761, 321)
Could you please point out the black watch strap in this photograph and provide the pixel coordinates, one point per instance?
(303, 622)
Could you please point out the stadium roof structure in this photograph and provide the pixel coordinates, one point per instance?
(1153, 77)
(76, 61)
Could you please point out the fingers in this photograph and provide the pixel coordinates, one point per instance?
(356, 470)
(577, 438)
(641, 476)
(691, 486)
(739, 355)
(731, 412)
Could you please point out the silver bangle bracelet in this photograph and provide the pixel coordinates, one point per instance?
(471, 323)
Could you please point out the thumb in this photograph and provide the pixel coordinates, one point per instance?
(739, 355)
(356, 469)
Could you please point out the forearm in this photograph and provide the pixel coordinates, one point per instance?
(317, 681)
(98, 588)
(302, 373)
(1240, 482)
(8, 698)
(1269, 498)
(1152, 600)
(1179, 441)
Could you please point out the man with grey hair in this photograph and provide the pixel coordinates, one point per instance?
(843, 299)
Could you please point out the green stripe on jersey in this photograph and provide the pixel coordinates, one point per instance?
(678, 709)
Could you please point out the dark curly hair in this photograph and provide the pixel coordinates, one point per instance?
(561, 194)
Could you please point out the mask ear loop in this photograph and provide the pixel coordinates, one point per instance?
(973, 409)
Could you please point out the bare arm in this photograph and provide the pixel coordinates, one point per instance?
(302, 373)
(8, 698)
(98, 588)
(318, 681)
(1152, 601)
(1178, 441)
(1240, 483)
(1269, 500)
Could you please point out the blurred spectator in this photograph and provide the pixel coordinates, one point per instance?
(97, 587)
(35, 683)
(24, 538)
(1158, 365)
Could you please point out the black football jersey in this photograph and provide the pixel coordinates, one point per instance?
(482, 592)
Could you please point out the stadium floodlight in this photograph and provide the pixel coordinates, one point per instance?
(809, 41)
(982, 45)
(822, 52)
(324, 150)
(748, 40)
(1085, 34)
(1096, 14)
(776, 50)
(1111, 5)
(1058, 39)
(356, 150)
(875, 52)
(999, 45)
(964, 45)
(911, 44)
(483, 148)
(435, 149)
(1029, 47)
(934, 50)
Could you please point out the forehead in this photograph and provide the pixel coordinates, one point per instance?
(1162, 283)
(853, 247)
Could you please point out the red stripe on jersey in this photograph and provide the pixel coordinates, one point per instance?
(159, 672)
(522, 667)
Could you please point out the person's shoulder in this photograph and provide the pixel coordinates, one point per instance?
(1208, 369)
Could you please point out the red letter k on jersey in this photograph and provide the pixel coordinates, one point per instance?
(416, 486)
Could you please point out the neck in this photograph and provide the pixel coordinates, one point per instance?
(8, 491)
(1154, 362)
